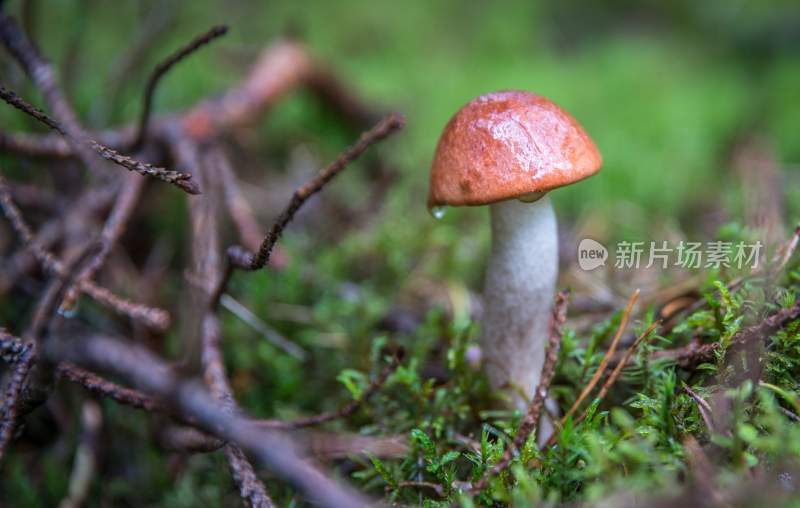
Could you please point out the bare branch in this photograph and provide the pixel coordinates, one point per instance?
(612, 378)
(41, 73)
(250, 487)
(207, 260)
(240, 258)
(145, 371)
(159, 72)
(105, 388)
(606, 358)
(112, 229)
(280, 68)
(181, 180)
(211, 416)
(22, 391)
(244, 476)
(8, 411)
(153, 317)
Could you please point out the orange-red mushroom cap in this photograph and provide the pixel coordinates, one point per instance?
(506, 145)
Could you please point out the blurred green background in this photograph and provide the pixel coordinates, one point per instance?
(666, 89)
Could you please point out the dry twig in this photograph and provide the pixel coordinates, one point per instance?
(181, 180)
(150, 374)
(112, 229)
(159, 72)
(30, 380)
(212, 416)
(153, 317)
(240, 258)
(604, 362)
(612, 378)
(105, 388)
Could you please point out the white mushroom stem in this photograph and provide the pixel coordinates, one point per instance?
(519, 289)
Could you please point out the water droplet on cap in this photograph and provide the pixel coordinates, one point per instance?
(438, 211)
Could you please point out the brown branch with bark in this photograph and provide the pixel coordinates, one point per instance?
(604, 362)
(207, 417)
(240, 258)
(31, 379)
(190, 400)
(181, 180)
(42, 74)
(162, 69)
(150, 316)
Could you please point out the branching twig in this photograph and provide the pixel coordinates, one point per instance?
(43, 76)
(612, 378)
(181, 180)
(240, 258)
(105, 388)
(250, 487)
(81, 210)
(147, 372)
(152, 317)
(20, 389)
(531, 420)
(112, 229)
(207, 262)
(164, 67)
(279, 70)
(41, 73)
(604, 362)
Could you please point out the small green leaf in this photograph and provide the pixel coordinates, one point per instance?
(354, 381)
(383, 471)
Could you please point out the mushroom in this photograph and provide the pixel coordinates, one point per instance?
(508, 149)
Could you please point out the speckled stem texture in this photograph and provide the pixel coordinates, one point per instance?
(519, 289)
